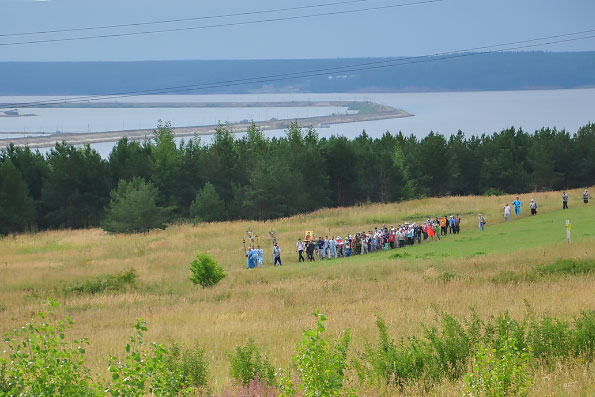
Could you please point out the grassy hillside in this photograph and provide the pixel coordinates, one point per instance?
(490, 272)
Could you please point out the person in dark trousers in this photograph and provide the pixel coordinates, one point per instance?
(586, 197)
(564, 201)
(277, 254)
(300, 249)
(533, 207)
(310, 251)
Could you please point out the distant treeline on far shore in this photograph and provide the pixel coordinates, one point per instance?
(255, 177)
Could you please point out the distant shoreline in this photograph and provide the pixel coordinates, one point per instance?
(367, 111)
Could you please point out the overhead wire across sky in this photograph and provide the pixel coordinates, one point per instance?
(206, 17)
(218, 25)
(481, 50)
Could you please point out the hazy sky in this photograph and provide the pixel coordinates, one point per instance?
(403, 31)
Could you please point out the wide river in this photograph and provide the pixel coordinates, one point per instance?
(474, 113)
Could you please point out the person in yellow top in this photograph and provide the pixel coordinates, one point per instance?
(443, 227)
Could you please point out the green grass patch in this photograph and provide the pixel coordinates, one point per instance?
(50, 246)
(567, 267)
(399, 255)
(108, 283)
(562, 267)
(447, 277)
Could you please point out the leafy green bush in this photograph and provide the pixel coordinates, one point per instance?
(510, 277)
(117, 282)
(493, 192)
(452, 345)
(205, 271)
(549, 339)
(248, 364)
(320, 364)
(393, 363)
(41, 362)
(447, 277)
(567, 267)
(562, 267)
(144, 371)
(191, 365)
(583, 337)
(504, 371)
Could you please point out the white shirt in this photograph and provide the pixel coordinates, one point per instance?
(507, 210)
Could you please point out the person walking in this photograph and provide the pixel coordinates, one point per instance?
(339, 246)
(451, 224)
(482, 222)
(506, 212)
(533, 206)
(277, 254)
(586, 197)
(260, 256)
(517, 206)
(332, 247)
(564, 201)
(320, 248)
(457, 224)
(310, 251)
(300, 249)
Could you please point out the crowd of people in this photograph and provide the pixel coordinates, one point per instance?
(384, 238)
(361, 243)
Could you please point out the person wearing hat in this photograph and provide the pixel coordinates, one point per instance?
(482, 222)
(533, 207)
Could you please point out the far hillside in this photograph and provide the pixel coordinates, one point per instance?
(492, 71)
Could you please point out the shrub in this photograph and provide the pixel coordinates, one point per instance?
(117, 282)
(144, 371)
(451, 346)
(504, 371)
(205, 271)
(320, 364)
(447, 277)
(41, 362)
(191, 365)
(549, 339)
(567, 267)
(394, 363)
(493, 192)
(249, 364)
(583, 338)
(509, 277)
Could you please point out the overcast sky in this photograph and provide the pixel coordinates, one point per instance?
(402, 31)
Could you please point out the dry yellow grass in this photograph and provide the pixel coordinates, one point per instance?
(273, 305)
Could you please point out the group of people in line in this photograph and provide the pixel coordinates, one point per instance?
(532, 206)
(254, 256)
(384, 238)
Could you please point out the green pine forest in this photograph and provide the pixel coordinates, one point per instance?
(255, 177)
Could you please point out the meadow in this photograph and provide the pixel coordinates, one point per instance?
(489, 272)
